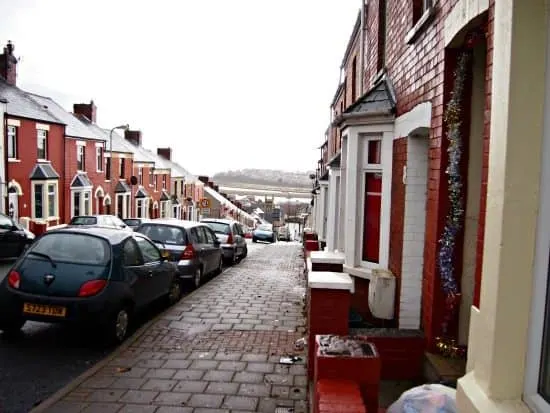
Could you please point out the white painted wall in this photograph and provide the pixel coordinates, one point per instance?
(414, 229)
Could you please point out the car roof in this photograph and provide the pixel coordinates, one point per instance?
(172, 222)
(220, 220)
(113, 235)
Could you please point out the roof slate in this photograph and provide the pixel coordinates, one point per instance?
(377, 100)
(122, 187)
(21, 105)
(75, 127)
(42, 171)
(81, 181)
(141, 193)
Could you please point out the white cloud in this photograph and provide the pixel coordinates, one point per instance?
(226, 84)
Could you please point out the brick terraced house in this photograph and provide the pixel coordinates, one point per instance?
(57, 164)
(384, 200)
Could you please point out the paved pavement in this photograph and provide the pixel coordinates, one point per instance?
(217, 351)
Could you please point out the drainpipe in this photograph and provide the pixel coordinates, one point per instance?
(4, 201)
(362, 48)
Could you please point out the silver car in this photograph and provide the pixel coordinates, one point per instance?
(231, 236)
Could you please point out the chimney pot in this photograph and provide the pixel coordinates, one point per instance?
(133, 136)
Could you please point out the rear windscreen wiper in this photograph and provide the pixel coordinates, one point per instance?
(40, 254)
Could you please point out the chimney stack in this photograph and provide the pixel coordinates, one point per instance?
(204, 179)
(133, 136)
(211, 184)
(88, 110)
(8, 64)
(165, 153)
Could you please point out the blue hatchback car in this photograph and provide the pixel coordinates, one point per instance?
(93, 275)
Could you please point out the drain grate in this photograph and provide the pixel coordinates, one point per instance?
(284, 410)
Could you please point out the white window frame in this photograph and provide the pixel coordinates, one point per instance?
(164, 179)
(42, 136)
(45, 200)
(385, 168)
(99, 158)
(151, 177)
(164, 209)
(143, 204)
(126, 213)
(540, 273)
(156, 184)
(140, 175)
(12, 132)
(82, 202)
(81, 157)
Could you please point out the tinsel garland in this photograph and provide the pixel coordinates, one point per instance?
(455, 216)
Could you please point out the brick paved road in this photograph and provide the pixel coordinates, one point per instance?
(217, 351)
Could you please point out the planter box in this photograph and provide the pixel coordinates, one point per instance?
(362, 367)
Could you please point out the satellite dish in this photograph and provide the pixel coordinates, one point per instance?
(133, 180)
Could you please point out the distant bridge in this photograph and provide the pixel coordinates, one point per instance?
(261, 190)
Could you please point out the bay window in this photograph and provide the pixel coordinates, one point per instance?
(122, 205)
(164, 208)
(372, 202)
(44, 200)
(142, 207)
(81, 202)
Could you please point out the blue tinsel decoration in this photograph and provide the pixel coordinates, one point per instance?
(454, 220)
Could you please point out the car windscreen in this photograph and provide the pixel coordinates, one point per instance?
(132, 222)
(218, 227)
(166, 234)
(264, 227)
(72, 248)
(83, 221)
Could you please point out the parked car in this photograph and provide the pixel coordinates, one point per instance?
(264, 232)
(14, 239)
(283, 234)
(231, 236)
(110, 221)
(193, 246)
(133, 223)
(94, 275)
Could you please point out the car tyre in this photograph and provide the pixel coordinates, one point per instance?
(119, 325)
(12, 327)
(245, 253)
(220, 267)
(254, 240)
(197, 278)
(174, 293)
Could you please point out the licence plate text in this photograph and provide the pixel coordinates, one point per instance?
(47, 310)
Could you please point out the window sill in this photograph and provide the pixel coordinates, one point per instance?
(107, 180)
(98, 171)
(420, 26)
(43, 160)
(14, 160)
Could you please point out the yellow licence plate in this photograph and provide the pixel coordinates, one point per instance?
(47, 310)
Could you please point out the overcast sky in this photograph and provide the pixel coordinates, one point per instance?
(228, 84)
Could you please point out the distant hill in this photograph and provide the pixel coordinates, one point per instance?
(268, 177)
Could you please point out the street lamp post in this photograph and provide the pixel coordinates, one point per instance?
(124, 128)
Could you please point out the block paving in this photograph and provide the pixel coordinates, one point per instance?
(217, 351)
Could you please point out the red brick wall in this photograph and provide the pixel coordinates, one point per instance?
(96, 178)
(420, 73)
(397, 217)
(27, 153)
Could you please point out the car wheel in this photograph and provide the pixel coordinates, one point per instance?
(13, 326)
(174, 293)
(197, 278)
(119, 325)
(254, 240)
(245, 253)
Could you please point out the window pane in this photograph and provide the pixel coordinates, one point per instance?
(51, 201)
(149, 252)
(131, 253)
(41, 144)
(544, 378)
(139, 208)
(164, 233)
(374, 151)
(120, 206)
(371, 216)
(74, 248)
(38, 199)
(76, 203)
(12, 142)
(87, 203)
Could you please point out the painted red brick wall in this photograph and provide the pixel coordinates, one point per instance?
(110, 186)
(397, 216)
(97, 178)
(27, 153)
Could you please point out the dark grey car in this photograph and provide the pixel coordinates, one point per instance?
(231, 236)
(191, 245)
